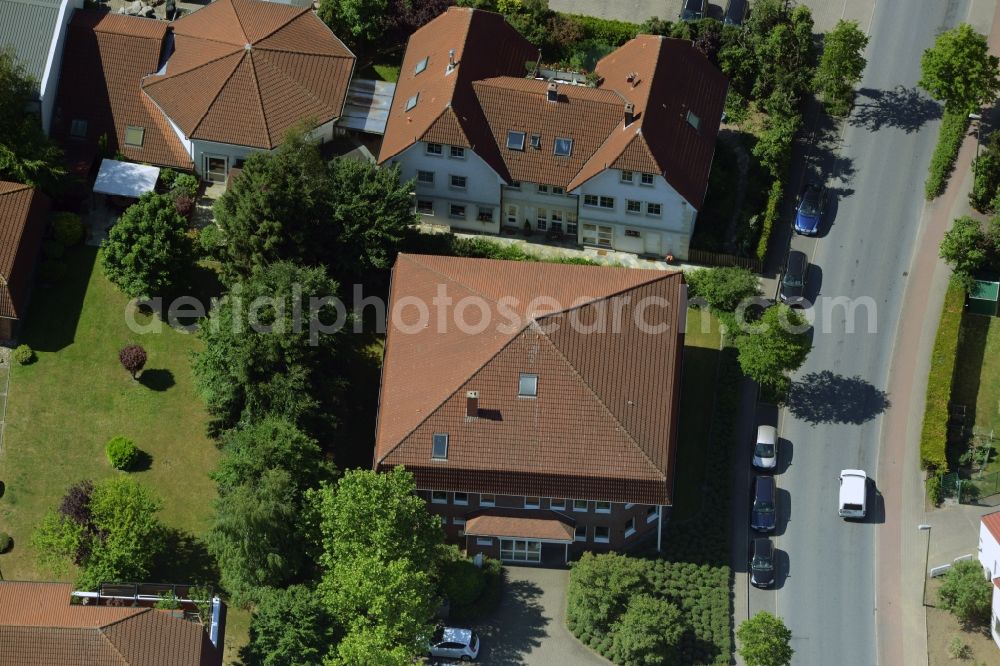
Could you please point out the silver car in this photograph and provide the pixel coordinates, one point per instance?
(453, 643)
(765, 451)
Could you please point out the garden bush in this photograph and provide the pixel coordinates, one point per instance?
(121, 452)
(67, 228)
(771, 212)
(5, 542)
(608, 31)
(210, 238)
(184, 205)
(950, 137)
(52, 271)
(53, 249)
(185, 185)
(462, 581)
(934, 489)
(489, 597)
(23, 355)
(934, 435)
(167, 178)
(986, 169)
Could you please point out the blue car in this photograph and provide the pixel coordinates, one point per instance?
(809, 210)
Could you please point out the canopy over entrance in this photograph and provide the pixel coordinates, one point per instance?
(541, 529)
(125, 179)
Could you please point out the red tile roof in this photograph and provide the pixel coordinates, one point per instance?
(24, 217)
(40, 627)
(477, 104)
(519, 527)
(105, 58)
(245, 71)
(603, 423)
(992, 522)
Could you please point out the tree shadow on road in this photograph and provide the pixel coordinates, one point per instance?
(517, 627)
(825, 397)
(901, 108)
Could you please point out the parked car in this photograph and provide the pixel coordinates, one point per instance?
(853, 493)
(454, 643)
(735, 12)
(693, 10)
(762, 513)
(793, 280)
(809, 209)
(762, 562)
(765, 451)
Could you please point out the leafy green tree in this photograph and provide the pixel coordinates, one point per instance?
(841, 65)
(648, 633)
(723, 288)
(776, 345)
(148, 250)
(764, 641)
(966, 593)
(959, 70)
(357, 22)
(774, 144)
(378, 581)
(986, 169)
(965, 247)
(289, 627)
(27, 155)
(270, 358)
(600, 589)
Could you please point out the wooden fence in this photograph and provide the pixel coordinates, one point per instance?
(719, 259)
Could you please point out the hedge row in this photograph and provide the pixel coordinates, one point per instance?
(480, 248)
(950, 136)
(771, 212)
(608, 31)
(934, 436)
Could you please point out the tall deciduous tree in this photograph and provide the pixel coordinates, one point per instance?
(764, 641)
(27, 155)
(648, 633)
(358, 22)
(148, 251)
(289, 627)
(966, 593)
(841, 65)
(600, 590)
(959, 70)
(776, 345)
(966, 247)
(723, 288)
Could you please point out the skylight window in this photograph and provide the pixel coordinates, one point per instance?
(536, 141)
(421, 66)
(439, 450)
(412, 102)
(134, 135)
(693, 120)
(515, 140)
(563, 146)
(527, 386)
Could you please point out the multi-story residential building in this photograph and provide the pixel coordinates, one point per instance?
(618, 161)
(539, 413)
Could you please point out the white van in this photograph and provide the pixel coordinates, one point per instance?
(853, 493)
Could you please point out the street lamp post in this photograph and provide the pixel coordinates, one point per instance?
(927, 555)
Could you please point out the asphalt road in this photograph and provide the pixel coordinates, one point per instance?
(875, 167)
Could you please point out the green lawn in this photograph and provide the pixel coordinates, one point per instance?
(976, 381)
(701, 359)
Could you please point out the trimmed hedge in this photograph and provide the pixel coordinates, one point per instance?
(609, 31)
(934, 436)
(950, 137)
(23, 355)
(771, 212)
(489, 596)
(480, 248)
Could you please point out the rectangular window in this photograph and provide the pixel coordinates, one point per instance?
(439, 450)
(536, 141)
(571, 228)
(421, 66)
(484, 541)
(607, 202)
(439, 497)
(602, 534)
(556, 216)
(557, 504)
(487, 500)
(425, 206)
(562, 147)
(647, 179)
(458, 182)
(540, 219)
(652, 513)
(515, 185)
(425, 177)
(412, 102)
(693, 120)
(626, 176)
(458, 152)
(595, 234)
(532, 502)
(460, 524)
(433, 148)
(134, 135)
(462, 499)
(515, 140)
(630, 527)
(543, 189)
(602, 507)
(456, 211)
(484, 214)
(633, 206)
(632, 233)
(579, 505)
(520, 550)
(590, 200)
(654, 209)
(581, 533)
(527, 385)
(78, 128)
(541, 224)
(558, 190)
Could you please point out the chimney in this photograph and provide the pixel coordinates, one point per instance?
(471, 404)
(629, 113)
(451, 57)
(553, 92)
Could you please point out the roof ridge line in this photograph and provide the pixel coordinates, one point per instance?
(164, 77)
(139, 611)
(215, 98)
(260, 98)
(291, 78)
(239, 22)
(302, 11)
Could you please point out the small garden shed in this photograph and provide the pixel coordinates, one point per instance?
(983, 298)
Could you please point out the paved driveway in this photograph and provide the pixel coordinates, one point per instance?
(529, 626)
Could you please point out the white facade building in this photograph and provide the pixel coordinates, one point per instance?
(989, 558)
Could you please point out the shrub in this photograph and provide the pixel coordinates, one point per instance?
(209, 238)
(5, 542)
(53, 249)
(167, 177)
(185, 185)
(462, 581)
(950, 137)
(482, 607)
(133, 358)
(966, 593)
(67, 228)
(934, 435)
(771, 212)
(184, 205)
(934, 490)
(121, 452)
(957, 649)
(52, 271)
(23, 355)
(986, 169)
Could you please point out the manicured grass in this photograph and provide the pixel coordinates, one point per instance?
(701, 359)
(934, 436)
(977, 375)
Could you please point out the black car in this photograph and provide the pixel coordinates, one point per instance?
(736, 11)
(693, 10)
(793, 280)
(762, 562)
(762, 513)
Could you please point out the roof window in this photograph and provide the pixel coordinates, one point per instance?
(421, 66)
(412, 102)
(563, 146)
(134, 135)
(439, 449)
(693, 120)
(536, 141)
(527, 386)
(515, 140)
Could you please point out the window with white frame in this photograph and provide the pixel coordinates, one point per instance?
(458, 152)
(558, 190)
(412, 101)
(607, 202)
(633, 233)
(652, 513)
(541, 219)
(425, 206)
(462, 499)
(536, 141)
(602, 534)
(515, 140)
(543, 189)
(484, 213)
(627, 176)
(602, 507)
(630, 527)
(439, 446)
(532, 502)
(633, 206)
(556, 219)
(527, 385)
(557, 504)
(562, 147)
(571, 223)
(484, 541)
(515, 185)
(456, 211)
(590, 200)
(487, 500)
(597, 234)
(433, 149)
(458, 182)
(134, 135)
(439, 497)
(654, 209)
(647, 179)
(579, 505)
(425, 177)
(580, 534)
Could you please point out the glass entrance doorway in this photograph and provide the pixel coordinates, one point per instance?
(520, 550)
(216, 168)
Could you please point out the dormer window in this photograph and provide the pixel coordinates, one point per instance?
(563, 147)
(536, 141)
(693, 120)
(439, 448)
(421, 66)
(412, 102)
(527, 386)
(515, 140)
(134, 135)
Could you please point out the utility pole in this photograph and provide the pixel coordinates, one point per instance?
(927, 555)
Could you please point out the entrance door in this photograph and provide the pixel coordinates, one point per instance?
(520, 550)
(510, 217)
(216, 168)
(652, 243)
